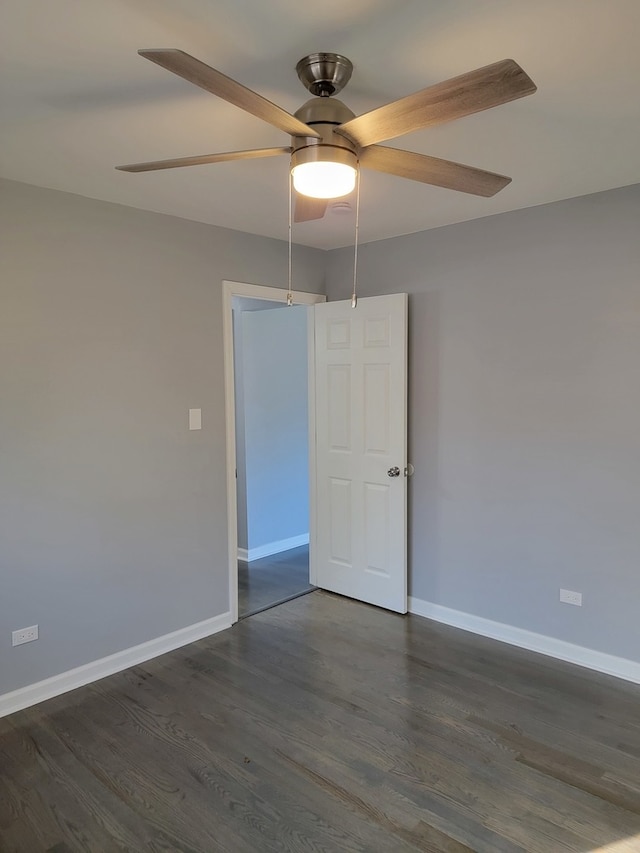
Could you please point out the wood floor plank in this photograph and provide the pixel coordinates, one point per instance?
(253, 807)
(328, 725)
(371, 740)
(80, 791)
(447, 737)
(298, 740)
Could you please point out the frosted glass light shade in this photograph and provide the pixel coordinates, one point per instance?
(324, 179)
(324, 171)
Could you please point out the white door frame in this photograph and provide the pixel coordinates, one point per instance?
(272, 294)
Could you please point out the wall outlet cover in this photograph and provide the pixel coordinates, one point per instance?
(568, 596)
(24, 635)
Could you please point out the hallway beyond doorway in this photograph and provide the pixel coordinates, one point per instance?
(272, 580)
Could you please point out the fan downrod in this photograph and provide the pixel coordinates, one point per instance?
(324, 74)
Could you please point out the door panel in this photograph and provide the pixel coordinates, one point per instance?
(339, 394)
(361, 402)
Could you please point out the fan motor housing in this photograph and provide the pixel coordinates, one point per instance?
(324, 115)
(324, 111)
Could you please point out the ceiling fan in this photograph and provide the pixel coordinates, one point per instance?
(328, 141)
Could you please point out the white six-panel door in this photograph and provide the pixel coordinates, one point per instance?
(361, 429)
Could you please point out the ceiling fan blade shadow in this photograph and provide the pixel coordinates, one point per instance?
(309, 208)
(202, 159)
(432, 170)
(200, 74)
(469, 93)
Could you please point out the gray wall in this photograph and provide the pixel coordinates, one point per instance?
(112, 514)
(524, 412)
(524, 417)
(276, 401)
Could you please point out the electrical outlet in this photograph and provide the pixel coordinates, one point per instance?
(567, 596)
(24, 635)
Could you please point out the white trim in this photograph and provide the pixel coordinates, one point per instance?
(313, 521)
(629, 670)
(230, 429)
(273, 548)
(250, 291)
(32, 694)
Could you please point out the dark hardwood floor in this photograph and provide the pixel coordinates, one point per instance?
(272, 580)
(328, 725)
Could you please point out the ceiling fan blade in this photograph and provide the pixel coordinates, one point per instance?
(309, 208)
(432, 170)
(461, 96)
(194, 71)
(154, 165)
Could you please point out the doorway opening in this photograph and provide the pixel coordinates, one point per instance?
(268, 445)
(272, 452)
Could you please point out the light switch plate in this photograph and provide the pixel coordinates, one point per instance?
(195, 418)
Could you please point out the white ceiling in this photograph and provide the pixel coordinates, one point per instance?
(75, 100)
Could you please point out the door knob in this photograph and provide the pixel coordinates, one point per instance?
(394, 472)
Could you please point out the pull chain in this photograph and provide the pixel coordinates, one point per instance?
(289, 291)
(354, 298)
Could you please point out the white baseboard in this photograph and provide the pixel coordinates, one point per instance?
(81, 675)
(272, 548)
(610, 664)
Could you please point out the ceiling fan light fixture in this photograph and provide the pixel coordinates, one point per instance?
(322, 171)
(329, 142)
